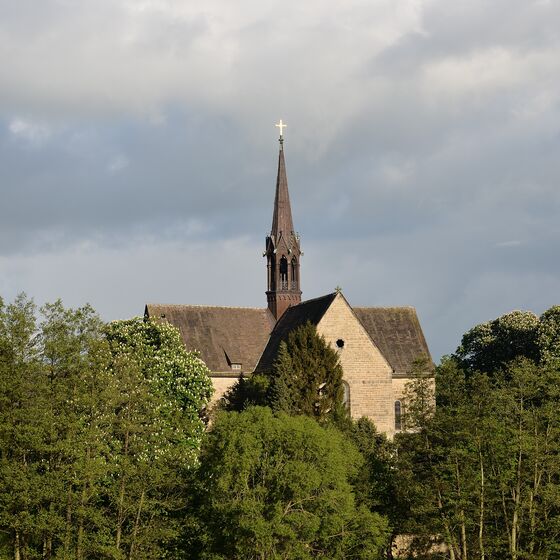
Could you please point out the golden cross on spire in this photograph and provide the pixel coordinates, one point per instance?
(281, 126)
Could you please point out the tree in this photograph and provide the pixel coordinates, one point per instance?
(20, 431)
(306, 378)
(548, 336)
(487, 462)
(158, 430)
(307, 375)
(246, 392)
(419, 396)
(52, 406)
(274, 486)
(97, 427)
(490, 346)
(379, 483)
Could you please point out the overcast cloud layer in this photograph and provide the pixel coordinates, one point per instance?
(138, 153)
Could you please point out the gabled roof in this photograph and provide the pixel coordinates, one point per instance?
(397, 333)
(311, 310)
(248, 336)
(222, 335)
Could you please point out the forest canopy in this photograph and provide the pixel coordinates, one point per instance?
(106, 453)
(98, 423)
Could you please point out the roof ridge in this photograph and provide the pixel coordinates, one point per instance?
(197, 305)
(383, 307)
(314, 299)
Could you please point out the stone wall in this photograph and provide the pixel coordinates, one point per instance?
(221, 385)
(366, 371)
(399, 385)
(373, 390)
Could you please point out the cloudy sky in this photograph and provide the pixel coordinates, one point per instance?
(138, 152)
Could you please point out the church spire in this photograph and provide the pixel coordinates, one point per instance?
(282, 246)
(282, 223)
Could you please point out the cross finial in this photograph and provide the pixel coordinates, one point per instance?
(281, 126)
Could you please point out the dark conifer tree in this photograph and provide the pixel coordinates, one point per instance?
(307, 376)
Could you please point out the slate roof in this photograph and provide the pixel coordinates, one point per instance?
(223, 335)
(397, 333)
(248, 336)
(311, 310)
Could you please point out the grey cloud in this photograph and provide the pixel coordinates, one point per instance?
(422, 143)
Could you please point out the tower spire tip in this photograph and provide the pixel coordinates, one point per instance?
(281, 126)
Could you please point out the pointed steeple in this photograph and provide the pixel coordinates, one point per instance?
(282, 223)
(282, 247)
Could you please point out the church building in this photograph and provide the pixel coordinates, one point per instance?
(376, 345)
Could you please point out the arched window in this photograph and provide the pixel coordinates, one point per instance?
(272, 273)
(346, 395)
(283, 273)
(294, 274)
(398, 415)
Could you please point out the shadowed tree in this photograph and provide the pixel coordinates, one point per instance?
(306, 378)
(280, 487)
(489, 346)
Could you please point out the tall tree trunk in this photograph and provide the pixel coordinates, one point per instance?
(80, 535)
(17, 546)
(120, 504)
(120, 514)
(464, 555)
(68, 530)
(482, 505)
(47, 539)
(506, 519)
(450, 541)
(537, 480)
(515, 529)
(83, 502)
(136, 526)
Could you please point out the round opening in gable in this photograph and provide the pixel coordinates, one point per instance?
(340, 343)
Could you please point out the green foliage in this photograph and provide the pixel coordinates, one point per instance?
(177, 380)
(306, 379)
(487, 463)
(279, 487)
(51, 415)
(97, 425)
(101, 435)
(248, 391)
(383, 483)
(490, 346)
(548, 336)
(307, 376)
(158, 430)
(418, 396)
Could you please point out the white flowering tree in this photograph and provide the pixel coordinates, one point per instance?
(489, 346)
(548, 335)
(158, 429)
(98, 424)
